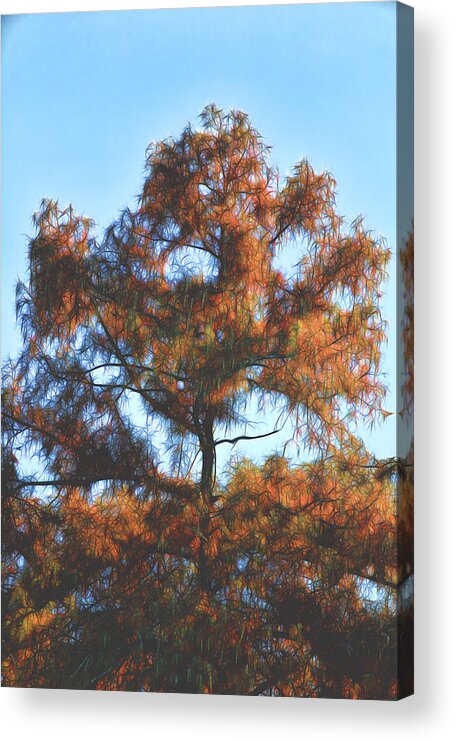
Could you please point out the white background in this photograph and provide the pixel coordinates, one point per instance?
(85, 716)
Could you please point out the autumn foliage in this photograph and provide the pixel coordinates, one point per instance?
(130, 561)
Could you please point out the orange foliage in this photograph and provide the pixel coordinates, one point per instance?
(138, 567)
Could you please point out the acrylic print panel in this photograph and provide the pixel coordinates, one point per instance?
(207, 392)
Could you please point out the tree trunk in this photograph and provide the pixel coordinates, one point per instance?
(206, 502)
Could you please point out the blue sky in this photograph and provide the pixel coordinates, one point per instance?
(83, 94)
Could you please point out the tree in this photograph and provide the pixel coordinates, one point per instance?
(129, 563)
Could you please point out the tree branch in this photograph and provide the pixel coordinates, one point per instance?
(233, 441)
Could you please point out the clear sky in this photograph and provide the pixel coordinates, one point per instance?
(83, 94)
